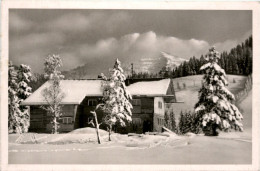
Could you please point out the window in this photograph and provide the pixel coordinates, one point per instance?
(92, 102)
(67, 120)
(160, 121)
(136, 102)
(160, 105)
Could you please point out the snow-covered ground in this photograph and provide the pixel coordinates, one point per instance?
(80, 146)
(148, 149)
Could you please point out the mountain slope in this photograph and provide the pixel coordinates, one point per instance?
(150, 65)
(172, 61)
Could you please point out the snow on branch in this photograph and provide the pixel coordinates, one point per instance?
(216, 98)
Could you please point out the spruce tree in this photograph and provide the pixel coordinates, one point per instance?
(167, 120)
(196, 123)
(18, 90)
(14, 113)
(116, 98)
(215, 100)
(181, 123)
(185, 122)
(24, 77)
(189, 122)
(173, 122)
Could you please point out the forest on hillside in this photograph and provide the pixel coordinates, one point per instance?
(236, 62)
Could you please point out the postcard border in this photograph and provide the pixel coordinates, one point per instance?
(166, 5)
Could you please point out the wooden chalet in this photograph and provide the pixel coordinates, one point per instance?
(150, 102)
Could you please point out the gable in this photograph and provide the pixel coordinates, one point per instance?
(171, 91)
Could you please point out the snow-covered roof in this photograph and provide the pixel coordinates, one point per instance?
(76, 90)
(149, 88)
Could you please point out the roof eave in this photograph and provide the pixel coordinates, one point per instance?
(152, 95)
(44, 103)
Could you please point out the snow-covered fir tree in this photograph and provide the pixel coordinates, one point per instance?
(181, 123)
(188, 122)
(167, 120)
(53, 94)
(173, 122)
(185, 122)
(116, 99)
(24, 90)
(196, 123)
(215, 100)
(18, 90)
(14, 113)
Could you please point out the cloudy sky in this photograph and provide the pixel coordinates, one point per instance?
(98, 37)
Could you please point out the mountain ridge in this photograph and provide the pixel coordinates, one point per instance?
(150, 65)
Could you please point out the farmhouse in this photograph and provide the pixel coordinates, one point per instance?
(150, 101)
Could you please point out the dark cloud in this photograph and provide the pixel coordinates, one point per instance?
(18, 23)
(97, 37)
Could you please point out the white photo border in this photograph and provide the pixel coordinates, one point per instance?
(166, 5)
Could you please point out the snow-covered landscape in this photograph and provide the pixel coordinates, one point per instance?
(168, 148)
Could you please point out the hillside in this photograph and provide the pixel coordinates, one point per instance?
(246, 108)
(189, 95)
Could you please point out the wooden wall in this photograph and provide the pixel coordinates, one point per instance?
(40, 121)
(142, 115)
(146, 117)
(84, 115)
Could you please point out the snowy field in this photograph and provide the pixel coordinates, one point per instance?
(189, 96)
(80, 146)
(146, 150)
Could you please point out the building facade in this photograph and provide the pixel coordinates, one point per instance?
(149, 99)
